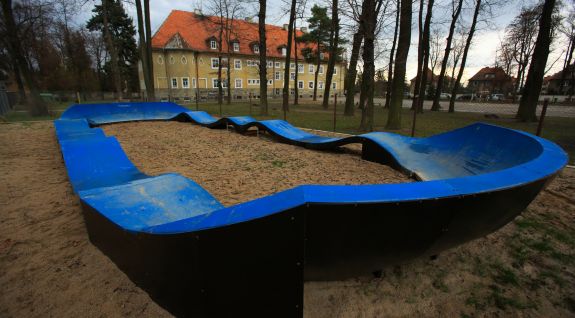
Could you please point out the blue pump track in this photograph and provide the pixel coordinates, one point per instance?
(196, 257)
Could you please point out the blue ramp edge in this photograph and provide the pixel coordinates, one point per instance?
(475, 159)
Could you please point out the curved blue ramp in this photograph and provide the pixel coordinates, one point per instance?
(197, 257)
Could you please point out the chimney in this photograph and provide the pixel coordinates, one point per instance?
(198, 11)
(303, 29)
(286, 26)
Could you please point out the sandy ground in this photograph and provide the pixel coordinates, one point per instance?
(49, 268)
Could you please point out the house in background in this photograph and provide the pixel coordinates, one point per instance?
(432, 82)
(491, 80)
(561, 83)
(185, 60)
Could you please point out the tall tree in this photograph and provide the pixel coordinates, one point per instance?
(464, 57)
(285, 100)
(392, 56)
(528, 104)
(263, 59)
(37, 107)
(398, 85)
(145, 42)
(351, 74)
(420, 52)
(149, 56)
(426, 55)
(369, 21)
(333, 50)
(456, 10)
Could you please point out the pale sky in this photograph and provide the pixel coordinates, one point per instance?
(482, 52)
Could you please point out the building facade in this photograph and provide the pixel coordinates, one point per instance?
(491, 80)
(185, 52)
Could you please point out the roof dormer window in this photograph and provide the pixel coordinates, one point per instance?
(284, 51)
(213, 44)
(256, 48)
(236, 46)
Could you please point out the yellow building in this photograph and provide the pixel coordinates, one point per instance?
(185, 58)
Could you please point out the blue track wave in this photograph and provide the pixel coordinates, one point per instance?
(475, 159)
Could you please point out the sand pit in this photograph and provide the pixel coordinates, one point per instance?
(49, 268)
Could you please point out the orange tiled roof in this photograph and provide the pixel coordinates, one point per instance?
(195, 30)
(499, 73)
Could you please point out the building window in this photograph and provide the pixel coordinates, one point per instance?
(334, 85)
(185, 82)
(215, 83)
(256, 48)
(174, 82)
(172, 60)
(238, 64)
(213, 45)
(292, 91)
(300, 84)
(310, 84)
(270, 82)
(238, 83)
(253, 82)
(278, 76)
(270, 64)
(284, 51)
(320, 85)
(335, 71)
(292, 76)
(277, 91)
(236, 47)
(311, 68)
(194, 83)
(321, 69)
(292, 66)
(184, 60)
(160, 60)
(216, 62)
(277, 64)
(321, 55)
(300, 68)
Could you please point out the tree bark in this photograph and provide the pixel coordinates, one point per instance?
(441, 78)
(391, 57)
(425, 66)
(420, 52)
(369, 21)
(464, 57)
(395, 106)
(143, 48)
(37, 106)
(295, 81)
(148, 26)
(263, 59)
(351, 75)
(334, 41)
(529, 98)
(316, 71)
(285, 102)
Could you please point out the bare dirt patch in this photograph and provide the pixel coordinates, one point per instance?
(49, 268)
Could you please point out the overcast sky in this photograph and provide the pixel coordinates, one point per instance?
(482, 52)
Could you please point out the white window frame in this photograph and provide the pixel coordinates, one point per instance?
(236, 65)
(183, 84)
(160, 60)
(270, 82)
(300, 84)
(215, 85)
(236, 46)
(292, 66)
(311, 68)
(277, 65)
(278, 76)
(310, 85)
(335, 70)
(321, 56)
(270, 64)
(321, 69)
(217, 61)
(184, 60)
(256, 48)
(194, 83)
(213, 44)
(253, 81)
(301, 68)
(174, 80)
(319, 85)
(334, 85)
(292, 76)
(236, 81)
(284, 51)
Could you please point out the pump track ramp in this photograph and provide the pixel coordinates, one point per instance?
(197, 258)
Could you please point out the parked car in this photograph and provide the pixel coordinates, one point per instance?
(464, 97)
(444, 96)
(497, 97)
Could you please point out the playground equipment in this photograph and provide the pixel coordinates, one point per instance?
(197, 257)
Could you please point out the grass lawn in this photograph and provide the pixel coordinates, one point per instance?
(311, 115)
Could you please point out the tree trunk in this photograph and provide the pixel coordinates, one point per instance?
(20, 84)
(441, 78)
(113, 51)
(150, 89)
(425, 66)
(351, 75)
(369, 21)
(316, 71)
(143, 47)
(529, 98)
(334, 41)
(295, 81)
(391, 57)
(395, 106)
(37, 106)
(229, 76)
(464, 57)
(420, 52)
(263, 61)
(285, 102)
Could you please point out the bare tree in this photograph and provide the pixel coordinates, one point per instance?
(351, 75)
(426, 54)
(263, 62)
(285, 100)
(333, 50)
(395, 106)
(144, 57)
(456, 10)
(528, 104)
(391, 56)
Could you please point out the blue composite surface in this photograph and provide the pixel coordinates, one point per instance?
(475, 159)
